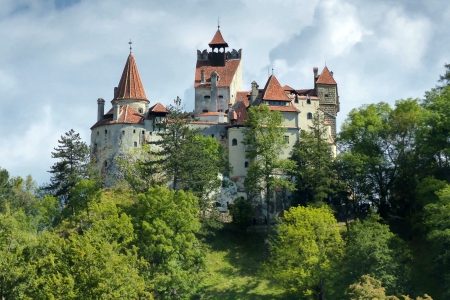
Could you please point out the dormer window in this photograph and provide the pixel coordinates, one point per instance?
(140, 110)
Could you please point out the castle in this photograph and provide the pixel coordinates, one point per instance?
(221, 106)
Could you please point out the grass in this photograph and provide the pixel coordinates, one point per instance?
(233, 262)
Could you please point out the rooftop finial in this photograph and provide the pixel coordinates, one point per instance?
(272, 70)
(130, 42)
(218, 23)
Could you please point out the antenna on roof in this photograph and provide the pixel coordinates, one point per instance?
(272, 70)
(218, 23)
(268, 74)
(130, 42)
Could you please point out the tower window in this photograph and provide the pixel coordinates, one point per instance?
(205, 110)
(123, 131)
(212, 135)
(106, 131)
(286, 139)
(207, 97)
(308, 100)
(246, 164)
(134, 130)
(326, 95)
(135, 144)
(143, 131)
(234, 142)
(140, 110)
(98, 133)
(296, 99)
(309, 116)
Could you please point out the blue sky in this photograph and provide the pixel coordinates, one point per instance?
(58, 57)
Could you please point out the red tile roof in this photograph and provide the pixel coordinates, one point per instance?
(274, 91)
(288, 88)
(158, 108)
(243, 96)
(225, 73)
(325, 77)
(218, 40)
(290, 108)
(127, 115)
(240, 109)
(130, 84)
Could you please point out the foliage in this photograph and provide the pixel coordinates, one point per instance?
(315, 176)
(371, 288)
(307, 246)
(374, 250)
(241, 211)
(72, 165)
(264, 139)
(166, 223)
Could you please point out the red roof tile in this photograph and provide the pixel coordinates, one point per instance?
(218, 40)
(210, 113)
(130, 84)
(274, 91)
(288, 88)
(326, 77)
(127, 115)
(159, 108)
(225, 73)
(240, 109)
(290, 108)
(243, 96)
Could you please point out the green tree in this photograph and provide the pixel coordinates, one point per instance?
(373, 249)
(72, 165)
(241, 211)
(307, 246)
(166, 225)
(315, 175)
(264, 139)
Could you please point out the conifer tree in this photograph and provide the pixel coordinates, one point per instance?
(72, 165)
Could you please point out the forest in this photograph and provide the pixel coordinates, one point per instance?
(372, 222)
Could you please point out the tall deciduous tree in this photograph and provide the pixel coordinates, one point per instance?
(307, 247)
(315, 176)
(264, 139)
(72, 165)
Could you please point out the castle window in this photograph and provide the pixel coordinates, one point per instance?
(286, 139)
(212, 135)
(220, 97)
(98, 133)
(234, 142)
(206, 97)
(296, 99)
(326, 95)
(246, 164)
(309, 116)
(123, 131)
(134, 130)
(140, 110)
(308, 100)
(205, 110)
(106, 131)
(143, 131)
(135, 144)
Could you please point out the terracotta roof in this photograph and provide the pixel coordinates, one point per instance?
(130, 84)
(233, 115)
(290, 108)
(159, 108)
(240, 109)
(226, 73)
(218, 40)
(127, 115)
(243, 96)
(288, 88)
(274, 91)
(326, 77)
(210, 113)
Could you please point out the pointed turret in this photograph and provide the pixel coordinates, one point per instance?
(218, 41)
(273, 90)
(326, 77)
(130, 84)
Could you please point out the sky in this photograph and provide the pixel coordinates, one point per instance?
(58, 56)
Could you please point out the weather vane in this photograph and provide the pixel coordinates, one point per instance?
(130, 42)
(218, 23)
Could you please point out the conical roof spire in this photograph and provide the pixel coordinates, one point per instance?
(130, 84)
(326, 77)
(218, 40)
(274, 91)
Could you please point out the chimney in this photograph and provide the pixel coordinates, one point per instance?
(316, 76)
(202, 80)
(116, 89)
(116, 107)
(254, 90)
(100, 108)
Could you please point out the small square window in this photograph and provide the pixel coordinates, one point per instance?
(106, 131)
(286, 139)
(143, 131)
(98, 133)
(134, 130)
(135, 144)
(246, 164)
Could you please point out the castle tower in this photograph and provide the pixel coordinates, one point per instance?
(326, 90)
(218, 76)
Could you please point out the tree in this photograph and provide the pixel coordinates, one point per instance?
(72, 165)
(188, 160)
(306, 248)
(314, 175)
(166, 223)
(241, 211)
(264, 139)
(373, 249)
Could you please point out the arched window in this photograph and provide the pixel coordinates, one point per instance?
(246, 164)
(309, 116)
(140, 110)
(234, 142)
